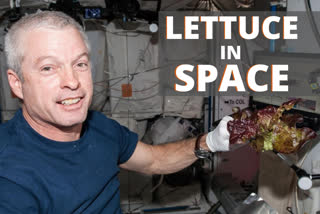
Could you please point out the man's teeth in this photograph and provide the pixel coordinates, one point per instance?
(70, 101)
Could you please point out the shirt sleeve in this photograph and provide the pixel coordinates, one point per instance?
(16, 200)
(128, 143)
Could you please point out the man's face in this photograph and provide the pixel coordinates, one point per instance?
(57, 83)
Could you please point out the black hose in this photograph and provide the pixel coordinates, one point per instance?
(214, 208)
(315, 177)
(159, 5)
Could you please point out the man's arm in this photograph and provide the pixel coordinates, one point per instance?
(164, 158)
(172, 157)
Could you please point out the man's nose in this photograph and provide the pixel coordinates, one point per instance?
(70, 79)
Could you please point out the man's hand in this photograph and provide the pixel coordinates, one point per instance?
(218, 139)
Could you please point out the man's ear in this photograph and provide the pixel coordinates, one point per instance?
(15, 83)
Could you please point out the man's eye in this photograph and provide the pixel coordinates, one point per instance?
(47, 68)
(82, 65)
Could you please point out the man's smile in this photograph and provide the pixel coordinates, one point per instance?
(70, 101)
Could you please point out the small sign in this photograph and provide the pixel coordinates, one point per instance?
(126, 90)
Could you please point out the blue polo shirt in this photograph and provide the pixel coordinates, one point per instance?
(39, 175)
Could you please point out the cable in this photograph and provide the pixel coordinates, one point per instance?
(312, 21)
(158, 184)
(121, 78)
(171, 4)
(192, 60)
(152, 69)
(143, 55)
(123, 33)
(139, 99)
(146, 89)
(206, 5)
(116, 89)
(135, 33)
(159, 5)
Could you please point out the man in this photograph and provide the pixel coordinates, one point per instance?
(55, 156)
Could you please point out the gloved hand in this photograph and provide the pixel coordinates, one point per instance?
(218, 139)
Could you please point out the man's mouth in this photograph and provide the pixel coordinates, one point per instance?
(70, 101)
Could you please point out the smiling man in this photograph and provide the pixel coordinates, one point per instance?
(55, 155)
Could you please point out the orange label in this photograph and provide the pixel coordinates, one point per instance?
(126, 90)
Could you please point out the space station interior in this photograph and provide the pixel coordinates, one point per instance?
(125, 68)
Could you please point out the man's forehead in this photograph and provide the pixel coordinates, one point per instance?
(44, 43)
(47, 28)
(48, 33)
(78, 56)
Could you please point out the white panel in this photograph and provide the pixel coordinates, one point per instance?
(227, 103)
(315, 5)
(130, 55)
(98, 44)
(298, 5)
(138, 127)
(308, 43)
(183, 106)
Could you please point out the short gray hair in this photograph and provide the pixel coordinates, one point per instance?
(43, 19)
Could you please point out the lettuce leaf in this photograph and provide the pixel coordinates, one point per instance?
(270, 129)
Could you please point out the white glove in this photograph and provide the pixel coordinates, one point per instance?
(218, 139)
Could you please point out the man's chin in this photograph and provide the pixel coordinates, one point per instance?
(71, 120)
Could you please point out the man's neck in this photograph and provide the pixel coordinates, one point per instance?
(52, 132)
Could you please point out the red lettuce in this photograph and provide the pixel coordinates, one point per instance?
(270, 129)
